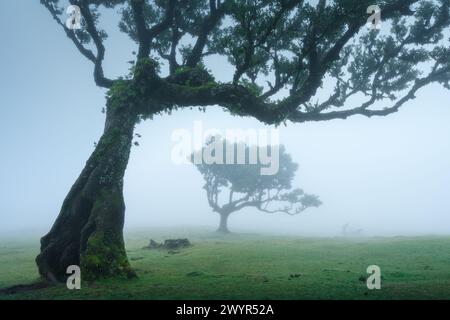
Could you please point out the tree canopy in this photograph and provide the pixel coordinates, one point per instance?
(281, 52)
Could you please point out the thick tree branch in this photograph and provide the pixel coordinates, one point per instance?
(241, 101)
(137, 7)
(165, 23)
(217, 11)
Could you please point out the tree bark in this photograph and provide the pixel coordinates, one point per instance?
(88, 231)
(223, 226)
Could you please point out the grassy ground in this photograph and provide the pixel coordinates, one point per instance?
(254, 267)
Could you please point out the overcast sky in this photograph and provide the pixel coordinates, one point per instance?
(387, 176)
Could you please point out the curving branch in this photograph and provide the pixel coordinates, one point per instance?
(217, 12)
(97, 59)
(439, 75)
(91, 28)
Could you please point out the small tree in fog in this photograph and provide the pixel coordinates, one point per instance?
(231, 187)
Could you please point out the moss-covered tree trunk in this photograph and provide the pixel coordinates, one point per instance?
(223, 226)
(88, 230)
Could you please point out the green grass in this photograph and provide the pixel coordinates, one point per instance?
(254, 267)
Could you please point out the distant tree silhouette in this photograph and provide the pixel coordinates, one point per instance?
(232, 187)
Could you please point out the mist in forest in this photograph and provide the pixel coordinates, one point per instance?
(380, 176)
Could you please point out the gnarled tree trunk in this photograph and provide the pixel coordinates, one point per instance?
(223, 226)
(88, 230)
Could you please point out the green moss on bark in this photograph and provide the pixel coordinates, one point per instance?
(105, 257)
(105, 254)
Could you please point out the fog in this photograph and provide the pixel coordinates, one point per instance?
(386, 176)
